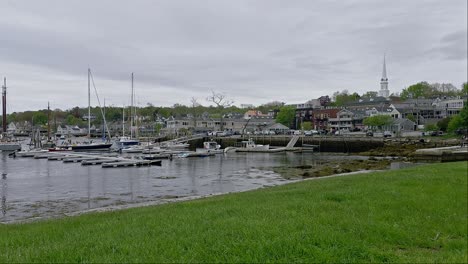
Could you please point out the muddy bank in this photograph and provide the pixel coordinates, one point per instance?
(333, 167)
(407, 148)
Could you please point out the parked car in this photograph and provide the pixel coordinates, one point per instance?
(297, 132)
(387, 134)
(370, 134)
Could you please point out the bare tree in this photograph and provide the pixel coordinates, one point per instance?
(221, 102)
(195, 104)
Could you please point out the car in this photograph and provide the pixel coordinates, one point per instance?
(297, 132)
(387, 134)
(370, 134)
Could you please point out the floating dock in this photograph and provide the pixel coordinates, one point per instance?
(89, 159)
(132, 163)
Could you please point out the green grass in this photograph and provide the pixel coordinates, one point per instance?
(412, 215)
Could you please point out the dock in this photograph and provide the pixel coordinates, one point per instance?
(132, 163)
(93, 159)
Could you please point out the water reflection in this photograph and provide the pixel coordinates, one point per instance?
(42, 188)
(4, 194)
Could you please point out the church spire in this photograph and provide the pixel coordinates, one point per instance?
(384, 71)
(384, 92)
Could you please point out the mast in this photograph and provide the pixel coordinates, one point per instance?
(123, 121)
(131, 112)
(103, 125)
(48, 121)
(89, 103)
(4, 106)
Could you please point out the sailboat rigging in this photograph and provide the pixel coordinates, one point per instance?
(93, 146)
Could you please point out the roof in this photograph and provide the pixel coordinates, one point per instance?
(369, 100)
(277, 126)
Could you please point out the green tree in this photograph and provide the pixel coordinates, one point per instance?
(378, 121)
(341, 98)
(411, 117)
(306, 126)
(421, 89)
(286, 115)
(74, 121)
(431, 127)
(464, 90)
(370, 94)
(40, 118)
(459, 121)
(443, 124)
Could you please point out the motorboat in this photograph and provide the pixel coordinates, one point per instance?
(210, 147)
(248, 146)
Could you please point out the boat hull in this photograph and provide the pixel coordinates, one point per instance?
(10, 146)
(91, 147)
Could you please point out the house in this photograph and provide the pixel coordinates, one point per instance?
(71, 130)
(347, 120)
(368, 103)
(203, 124)
(390, 111)
(11, 129)
(277, 128)
(255, 113)
(320, 118)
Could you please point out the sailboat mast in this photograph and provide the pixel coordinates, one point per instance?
(123, 121)
(89, 103)
(4, 106)
(131, 112)
(48, 121)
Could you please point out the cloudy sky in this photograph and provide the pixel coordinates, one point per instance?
(254, 51)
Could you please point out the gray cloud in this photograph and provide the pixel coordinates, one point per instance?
(254, 51)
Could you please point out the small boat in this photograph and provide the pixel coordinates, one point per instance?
(126, 142)
(210, 147)
(59, 149)
(133, 149)
(10, 146)
(248, 146)
(174, 145)
(195, 154)
(92, 146)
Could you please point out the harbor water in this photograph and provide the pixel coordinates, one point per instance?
(38, 188)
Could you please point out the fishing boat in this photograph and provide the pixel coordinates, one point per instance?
(210, 147)
(6, 143)
(248, 146)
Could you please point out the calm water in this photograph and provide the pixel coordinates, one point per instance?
(40, 188)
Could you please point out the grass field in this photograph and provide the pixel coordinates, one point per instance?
(411, 215)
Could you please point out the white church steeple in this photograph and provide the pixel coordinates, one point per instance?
(384, 82)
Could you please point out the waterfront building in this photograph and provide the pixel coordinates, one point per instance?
(321, 117)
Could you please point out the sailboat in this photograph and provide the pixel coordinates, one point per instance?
(91, 145)
(127, 142)
(5, 143)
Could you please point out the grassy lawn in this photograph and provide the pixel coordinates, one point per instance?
(412, 215)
